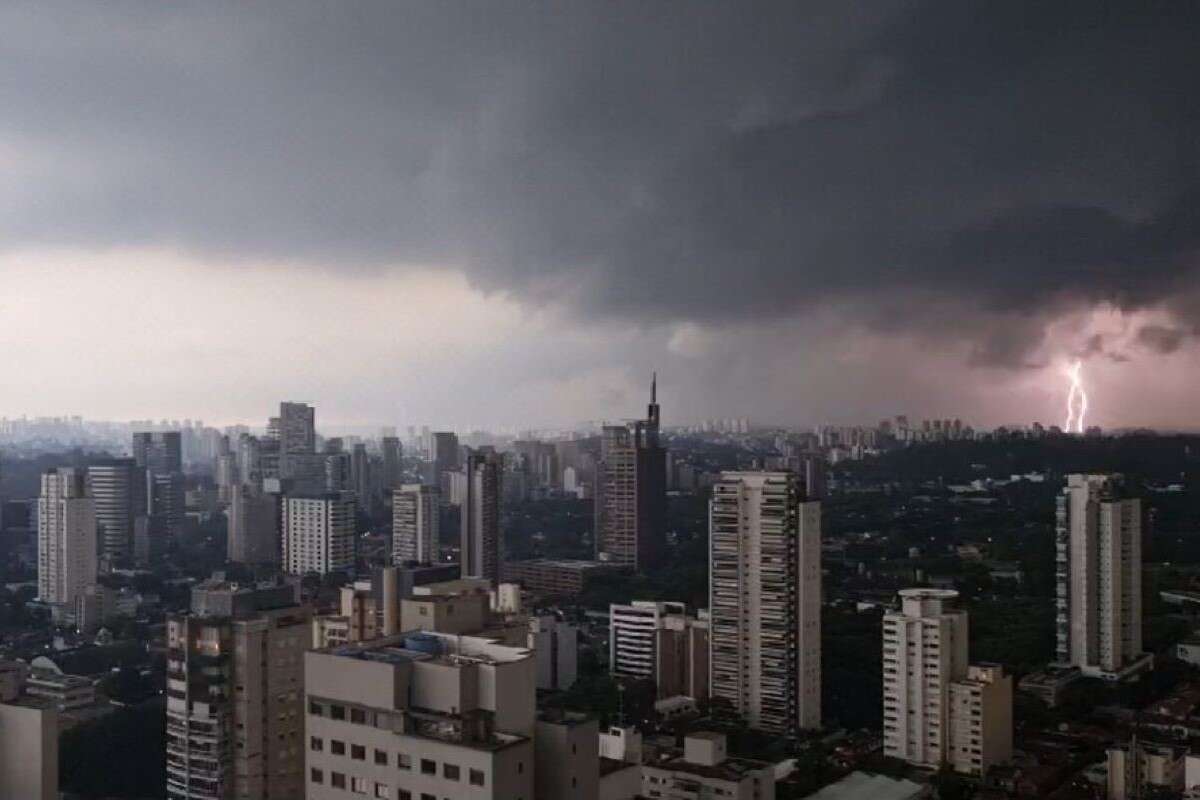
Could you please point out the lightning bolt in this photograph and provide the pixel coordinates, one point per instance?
(1077, 399)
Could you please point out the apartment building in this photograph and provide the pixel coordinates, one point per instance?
(235, 693)
(705, 770)
(318, 533)
(420, 717)
(415, 531)
(1099, 575)
(659, 641)
(765, 600)
(937, 708)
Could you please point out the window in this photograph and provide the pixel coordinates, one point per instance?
(317, 744)
(316, 709)
(316, 775)
(358, 716)
(428, 767)
(405, 794)
(403, 761)
(337, 748)
(337, 712)
(359, 785)
(381, 757)
(383, 791)
(337, 780)
(358, 752)
(425, 796)
(476, 777)
(450, 772)
(520, 767)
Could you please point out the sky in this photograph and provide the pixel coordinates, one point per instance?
(510, 214)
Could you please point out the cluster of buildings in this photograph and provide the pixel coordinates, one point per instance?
(424, 682)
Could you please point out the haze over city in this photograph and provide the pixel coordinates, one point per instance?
(508, 214)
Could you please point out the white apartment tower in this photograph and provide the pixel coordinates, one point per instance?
(67, 559)
(1099, 571)
(318, 533)
(765, 600)
(937, 708)
(415, 533)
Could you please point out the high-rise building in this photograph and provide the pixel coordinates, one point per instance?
(765, 601)
(444, 455)
(631, 492)
(158, 452)
(425, 715)
(166, 507)
(254, 531)
(235, 694)
(318, 533)
(659, 642)
(393, 465)
(296, 428)
(480, 542)
(66, 537)
(1099, 572)
(415, 533)
(117, 487)
(360, 476)
(937, 708)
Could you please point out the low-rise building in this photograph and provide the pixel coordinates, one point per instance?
(548, 577)
(64, 692)
(28, 739)
(1139, 765)
(420, 715)
(704, 769)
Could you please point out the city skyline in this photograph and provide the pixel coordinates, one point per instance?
(853, 211)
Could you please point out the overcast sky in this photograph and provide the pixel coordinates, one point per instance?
(497, 213)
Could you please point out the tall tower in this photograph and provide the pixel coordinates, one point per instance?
(415, 533)
(66, 537)
(937, 708)
(631, 491)
(118, 488)
(392, 462)
(235, 694)
(765, 600)
(297, 428)
(158, 452)
(480, 541)
(1099, 572)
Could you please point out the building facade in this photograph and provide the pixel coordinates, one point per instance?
(235, 694)
(67, 560)
(117, 487)
(937, 708)
(1099, 578)
(318, 533)
(660, 642)
(420, 716)
(415, 527)
(480, 545)
(254, 526)
(630, 495)
(765, 601)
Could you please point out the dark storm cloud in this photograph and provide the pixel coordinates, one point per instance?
(644, 161)
(1161, 338)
